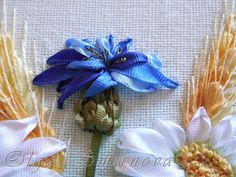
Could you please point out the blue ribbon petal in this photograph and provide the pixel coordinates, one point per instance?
(154, 61)
(122, 46)
(87, 40)
(85, 48)
(127, 59)
(111, 40)
(148, 74)
(104, 45)
(95, 64)
(102, 83)
(54, 75)
(64, 57)
(76, 84)
(133, 84)
(61, 85)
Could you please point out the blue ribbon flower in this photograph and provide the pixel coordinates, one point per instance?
(101, 65)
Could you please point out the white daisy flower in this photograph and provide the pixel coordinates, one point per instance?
(200, 151)
(19, 156)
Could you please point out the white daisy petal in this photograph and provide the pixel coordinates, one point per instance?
(27, 172)
(146, 141)
(13, 132)
(233, 122)
(229, 147)
(36, 149)
(232, 159)
(200, 127)
(232, 119)
(172, 132)
(221, 133)
(146, 168)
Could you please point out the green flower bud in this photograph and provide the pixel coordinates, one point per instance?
(100, 113)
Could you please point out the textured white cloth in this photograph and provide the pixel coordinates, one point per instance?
(173, 29)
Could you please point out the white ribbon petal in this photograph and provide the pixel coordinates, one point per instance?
(36, 149)
(146, 141)
(12, 139)
(221, 133)
(172, 132)
(233, 122)
(229, 147)
(232, 159)
(13, 132)
(151, 169)
(200, 127)
(27, 172)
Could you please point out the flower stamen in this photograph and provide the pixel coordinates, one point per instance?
(198, 160)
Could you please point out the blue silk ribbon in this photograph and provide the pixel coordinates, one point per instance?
(102, 65)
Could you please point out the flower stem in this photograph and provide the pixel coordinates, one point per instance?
(95, 146)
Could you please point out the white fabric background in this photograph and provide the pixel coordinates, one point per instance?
(175, 29)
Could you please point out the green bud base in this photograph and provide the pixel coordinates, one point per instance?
(101, 116)
(100, 113)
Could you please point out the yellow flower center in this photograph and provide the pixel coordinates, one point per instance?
(198, 160)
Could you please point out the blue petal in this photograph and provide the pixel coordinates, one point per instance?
(90, 64)
(133, 84)
(87, 40)
(65, 56)
(104, 45)
(111, 40)
(61, 85)
(54, 75)
(127, 59)
(76, 84)
(148, 74)
(154, 61)
(102, 83)
(84, 47)
(122, 46)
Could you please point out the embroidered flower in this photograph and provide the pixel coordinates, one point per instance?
(102, 65)
(201, 150)
(19, 157)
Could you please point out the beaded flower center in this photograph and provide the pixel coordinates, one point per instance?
(198, 160)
